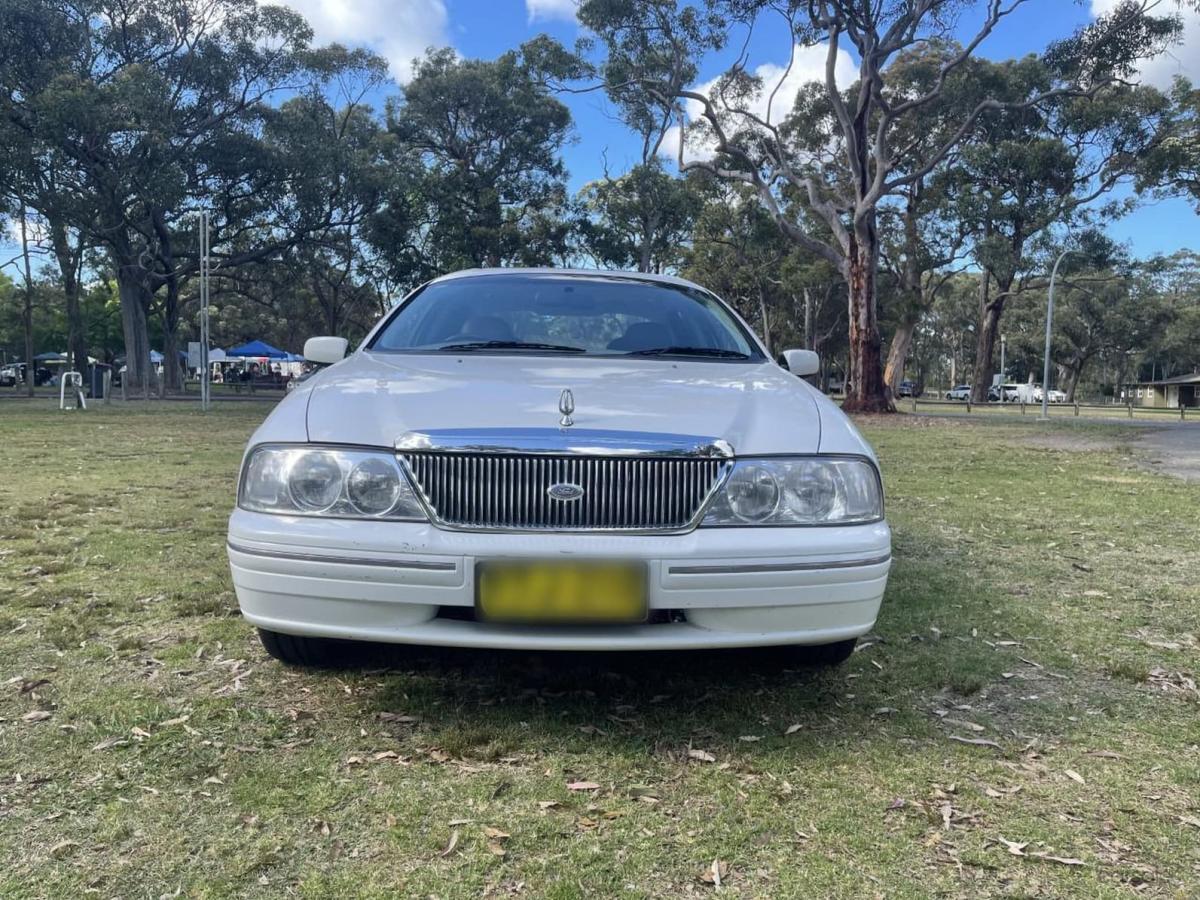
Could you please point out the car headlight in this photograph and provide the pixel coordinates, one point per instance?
(808, 490)
(323, 481)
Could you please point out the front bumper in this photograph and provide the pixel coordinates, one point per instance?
(405, 582)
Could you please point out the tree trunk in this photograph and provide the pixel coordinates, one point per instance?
(809, 342)
(865, 391)
(69, 258)
(893, 373)
(135, 298)
(172, 373)
(986, 333)
(647, 244)
(766, 321)
(1071, 381)
(985, 347)
(27, 310)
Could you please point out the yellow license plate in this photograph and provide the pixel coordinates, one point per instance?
(560, 592)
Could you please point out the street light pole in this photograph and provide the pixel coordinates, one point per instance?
(205, 387)
(1049, 324)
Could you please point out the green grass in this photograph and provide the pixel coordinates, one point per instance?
(1042, 599)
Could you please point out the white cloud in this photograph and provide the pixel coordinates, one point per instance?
(398, 30)
(1181, 59)
(780, 84)
(551, 9)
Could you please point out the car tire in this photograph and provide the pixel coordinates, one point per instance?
(827, 656)
(315, 652)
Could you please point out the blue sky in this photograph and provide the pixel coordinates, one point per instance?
(401, 29)
(484, 28)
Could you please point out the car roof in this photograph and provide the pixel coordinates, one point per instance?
(587, 273)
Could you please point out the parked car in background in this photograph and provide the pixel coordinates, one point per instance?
(1055, 396)
(910, 389)
(8, 376)
(559, 460)
(959, 392)
(1004, 393)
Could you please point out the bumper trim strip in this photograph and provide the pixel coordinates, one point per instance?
(753, 568)
(421, 564)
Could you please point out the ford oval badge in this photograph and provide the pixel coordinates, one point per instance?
(565, 492)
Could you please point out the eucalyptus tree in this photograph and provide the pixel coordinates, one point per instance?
(737, 251)
(488, 135)
(1173, 168)
(1028, 173)
(652, 46)
(641, 219)
(158, 108)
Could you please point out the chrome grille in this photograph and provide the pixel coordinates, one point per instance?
(509, 491)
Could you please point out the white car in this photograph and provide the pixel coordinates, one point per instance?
(560, 460)
(959, 392)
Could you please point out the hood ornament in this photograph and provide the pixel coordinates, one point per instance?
(566, 406)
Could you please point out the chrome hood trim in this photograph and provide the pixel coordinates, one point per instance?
(559, 441)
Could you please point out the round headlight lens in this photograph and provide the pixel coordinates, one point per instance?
(812, 491)
(315, 481)
(373, 487)
(753, 493)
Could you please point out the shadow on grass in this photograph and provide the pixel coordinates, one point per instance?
(486, 704)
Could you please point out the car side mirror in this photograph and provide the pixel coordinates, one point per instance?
(325, 350)
(801, 362)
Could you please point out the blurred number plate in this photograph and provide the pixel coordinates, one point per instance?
(561, 592)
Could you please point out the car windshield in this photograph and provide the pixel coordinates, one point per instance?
(580, 315)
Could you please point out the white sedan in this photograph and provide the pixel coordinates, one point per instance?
(560, 460)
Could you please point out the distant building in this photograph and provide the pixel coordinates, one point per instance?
(1171, 393)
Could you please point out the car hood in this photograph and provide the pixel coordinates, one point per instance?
(373, 398)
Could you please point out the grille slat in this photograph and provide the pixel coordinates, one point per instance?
(509, 491)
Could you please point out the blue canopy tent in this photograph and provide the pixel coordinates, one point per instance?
(256, 350)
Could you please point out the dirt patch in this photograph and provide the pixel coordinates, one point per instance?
(1076, 443)
(1174, 450)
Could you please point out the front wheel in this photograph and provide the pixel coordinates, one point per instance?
(826, 656)
(316, 652)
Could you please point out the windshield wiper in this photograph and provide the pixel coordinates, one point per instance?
(690, 351)
(511, 345)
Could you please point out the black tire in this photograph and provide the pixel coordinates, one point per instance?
(826, 656)
(316, 652)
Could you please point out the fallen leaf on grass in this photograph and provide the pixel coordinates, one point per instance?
(111, 742)
(36, 715)
(701, 755)
(547, 804)
(583, 786)
(898, 803)
(1014, 847)
(179, 720)
(28, 687)
(750, 738)
(453, 842)
(975, 742)
(1062, 860)
(496, 839)
(397, 717)
(963, 723)
(792, 729)
(1074, 776)
(62, 848)
(1189, 820)
(715, 873)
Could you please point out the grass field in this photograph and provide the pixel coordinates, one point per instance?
(1025, 721)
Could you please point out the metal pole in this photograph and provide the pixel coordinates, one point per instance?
(204, 373)
(1045, 416)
